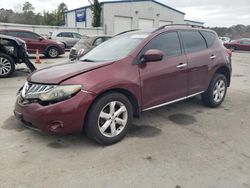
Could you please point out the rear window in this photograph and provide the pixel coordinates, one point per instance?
(209, 36)
(193, 41)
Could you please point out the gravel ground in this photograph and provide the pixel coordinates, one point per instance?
(183, 145)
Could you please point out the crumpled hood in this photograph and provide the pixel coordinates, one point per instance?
(58, 73)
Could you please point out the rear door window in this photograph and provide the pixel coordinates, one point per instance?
(28, 35)
(209, 36)
(168, 43)
(193, 41)
(65, 34)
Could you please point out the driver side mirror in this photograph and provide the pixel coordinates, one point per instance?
(152, 55)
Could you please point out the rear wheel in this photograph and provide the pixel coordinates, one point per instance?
(7, 65)
(109, 119)
(52, 52)
(216, 92)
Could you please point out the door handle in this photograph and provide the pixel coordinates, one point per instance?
(212, 56)
(181, 65)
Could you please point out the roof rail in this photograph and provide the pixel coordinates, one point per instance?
(126, 32)
(164, 26)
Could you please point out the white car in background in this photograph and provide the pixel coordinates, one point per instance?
(69, 39)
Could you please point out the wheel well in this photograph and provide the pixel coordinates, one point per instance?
(225, 71)
(129, 95)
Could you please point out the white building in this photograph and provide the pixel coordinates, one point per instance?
(192, 22)
(118, 16)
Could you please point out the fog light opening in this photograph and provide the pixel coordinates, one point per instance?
(55, 126)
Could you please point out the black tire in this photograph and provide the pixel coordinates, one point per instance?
(208, 97)
(8, 63)
(52, 52)
(92, 126)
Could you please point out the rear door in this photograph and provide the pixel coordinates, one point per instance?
(164, 80)
(199, 56)
(67, 37)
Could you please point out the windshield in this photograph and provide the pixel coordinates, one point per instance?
(115, 48)
(80, 43)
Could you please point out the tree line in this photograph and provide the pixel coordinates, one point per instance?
(234, 32)
(28, 15)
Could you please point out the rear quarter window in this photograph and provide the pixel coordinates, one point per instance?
(193, 41)
(209, 36)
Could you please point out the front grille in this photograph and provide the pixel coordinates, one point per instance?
(31, 90)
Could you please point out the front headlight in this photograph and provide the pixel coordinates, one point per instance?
(47, 93)
(60, 93)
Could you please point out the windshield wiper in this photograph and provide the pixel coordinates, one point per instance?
(88, 60)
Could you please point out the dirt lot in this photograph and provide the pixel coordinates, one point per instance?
(184, 145)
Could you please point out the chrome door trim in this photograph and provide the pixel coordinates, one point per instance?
(213, 57)
(170, 102)
(181, 65)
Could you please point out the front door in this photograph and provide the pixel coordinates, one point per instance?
(166, 80)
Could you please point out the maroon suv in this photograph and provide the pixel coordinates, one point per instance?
(240, 44)
(124, 76)
(35, 42)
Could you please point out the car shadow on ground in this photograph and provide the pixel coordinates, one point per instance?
(141, 128)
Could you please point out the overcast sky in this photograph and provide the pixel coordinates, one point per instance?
(212, 12)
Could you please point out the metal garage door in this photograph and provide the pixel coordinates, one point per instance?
(162, 22)
(122, 24)
(146, 23)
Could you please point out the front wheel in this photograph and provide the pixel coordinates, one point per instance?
(216, 91)
(109, 119)
(52, 52)
(7, 65)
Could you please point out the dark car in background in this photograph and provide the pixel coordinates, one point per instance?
(85, 44)
(12, 52)
(35, 42)
(124, 76)
(239, 44)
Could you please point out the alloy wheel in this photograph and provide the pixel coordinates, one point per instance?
(112, 119)
(5, 66)
(219, 91)
(53, 52)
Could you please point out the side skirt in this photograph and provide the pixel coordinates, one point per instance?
(170, 102)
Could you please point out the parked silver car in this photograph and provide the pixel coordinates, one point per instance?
(69, 39)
